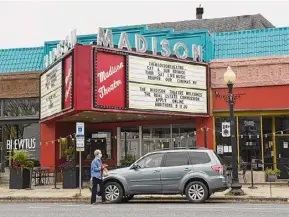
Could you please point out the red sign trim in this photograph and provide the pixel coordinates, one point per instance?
(95, 88)
(72, 82)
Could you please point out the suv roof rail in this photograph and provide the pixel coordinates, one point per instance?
(180, 148)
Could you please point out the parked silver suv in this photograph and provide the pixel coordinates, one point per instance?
(196, 173)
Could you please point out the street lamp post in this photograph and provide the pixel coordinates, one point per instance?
(230, 78)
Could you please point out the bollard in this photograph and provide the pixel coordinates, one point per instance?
(30, 184)
(270, 189)
(55, 177)
(252, 180)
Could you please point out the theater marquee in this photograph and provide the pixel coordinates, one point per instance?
(51, 91)
(163, 98)
(56, 88)
(171, 73)
(162, 85)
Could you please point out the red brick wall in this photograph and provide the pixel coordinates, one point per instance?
(19, 85)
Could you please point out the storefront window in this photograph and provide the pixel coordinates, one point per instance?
(155, 138)
(282, 125)
(268, 141)
(1, 107)
(21, 137)
(21, 107)
(1, 133)
(101, 141)
(183, 136)
(130, 142)
(250, 139)
(223, 143)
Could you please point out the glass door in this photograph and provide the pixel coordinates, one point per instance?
(155, 138)
(282, 146)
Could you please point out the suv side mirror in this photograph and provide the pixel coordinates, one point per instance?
(134, 166)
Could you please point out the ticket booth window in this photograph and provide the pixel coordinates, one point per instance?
(101, 141)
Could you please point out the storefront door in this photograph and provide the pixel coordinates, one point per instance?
(282, 146)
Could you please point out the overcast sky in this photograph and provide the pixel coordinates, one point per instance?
(28, 24)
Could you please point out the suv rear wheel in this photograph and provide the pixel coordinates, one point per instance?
(197, 192)
(113, 192)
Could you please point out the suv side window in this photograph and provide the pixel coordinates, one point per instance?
(151, 161)
(176, 159)
(199, 158)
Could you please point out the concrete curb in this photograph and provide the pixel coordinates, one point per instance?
(227, 199)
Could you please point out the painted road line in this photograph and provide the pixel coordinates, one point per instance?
(211, 208)
(38, 207)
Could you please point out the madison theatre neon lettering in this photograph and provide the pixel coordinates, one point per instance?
(141, 45)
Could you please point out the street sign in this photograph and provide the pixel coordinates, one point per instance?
(79, 134)
(79, 129)
(226, 129)
(79, 143)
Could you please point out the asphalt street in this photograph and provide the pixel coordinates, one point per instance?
(142, 209)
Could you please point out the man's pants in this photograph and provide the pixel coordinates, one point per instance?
(95, 183)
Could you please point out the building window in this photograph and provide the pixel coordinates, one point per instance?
(130, 142)
(1, 133)
(21, 107)
(268, 141)
(155, 138)
(184, 136)
(22, 137)
(282, 125)
(250, 139)
(101, 141)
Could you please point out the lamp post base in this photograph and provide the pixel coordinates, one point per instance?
(236, 189)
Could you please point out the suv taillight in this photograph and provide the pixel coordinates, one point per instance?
(219, 169)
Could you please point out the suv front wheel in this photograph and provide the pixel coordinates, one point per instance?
(196, 192)
(113, 192)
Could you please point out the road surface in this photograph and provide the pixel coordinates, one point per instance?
(143, 210)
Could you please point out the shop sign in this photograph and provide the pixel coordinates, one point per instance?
(226, 129)
(154, 71)
(164, 98)
(61, 49)
(80, 136)
(21, 144)
(51, 91)
(110, 80)
(180, 50)
(67, 83)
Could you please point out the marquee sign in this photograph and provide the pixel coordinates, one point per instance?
(163, 98)
(171, 73)
(180, 50)
(67, 87)
(110, 80)
(63, 47)
(162, 85)
(51, 91)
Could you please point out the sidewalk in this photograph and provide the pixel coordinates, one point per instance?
(280, 193)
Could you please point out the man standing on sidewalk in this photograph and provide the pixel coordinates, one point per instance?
(96, 176)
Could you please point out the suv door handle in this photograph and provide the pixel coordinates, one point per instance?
(156, 171)
(187, 169)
